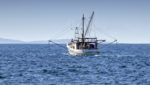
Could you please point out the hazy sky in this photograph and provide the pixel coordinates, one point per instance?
(29, 20)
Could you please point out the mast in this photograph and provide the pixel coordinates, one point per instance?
(83, 29)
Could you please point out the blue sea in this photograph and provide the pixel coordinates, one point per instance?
(41, 64)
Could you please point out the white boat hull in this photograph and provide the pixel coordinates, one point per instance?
(76, 52)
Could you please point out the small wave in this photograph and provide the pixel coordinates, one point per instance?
(97, 55)
(66, 54)
(2, 77)
(121, 55)
(52, 54)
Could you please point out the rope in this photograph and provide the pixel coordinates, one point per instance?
(58, 44)
(59, 34)
(108, 44)
(101, 31)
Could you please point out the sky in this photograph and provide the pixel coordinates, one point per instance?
(128, 21)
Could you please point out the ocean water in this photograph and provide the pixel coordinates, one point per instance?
(118, 64)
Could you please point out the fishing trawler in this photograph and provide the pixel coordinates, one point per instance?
(82, 44)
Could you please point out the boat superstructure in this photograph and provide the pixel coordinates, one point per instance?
(81, 44)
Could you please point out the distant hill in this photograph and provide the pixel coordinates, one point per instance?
(60, 41)
(10, 41)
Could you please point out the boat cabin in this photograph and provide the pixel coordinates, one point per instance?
(86, 43)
